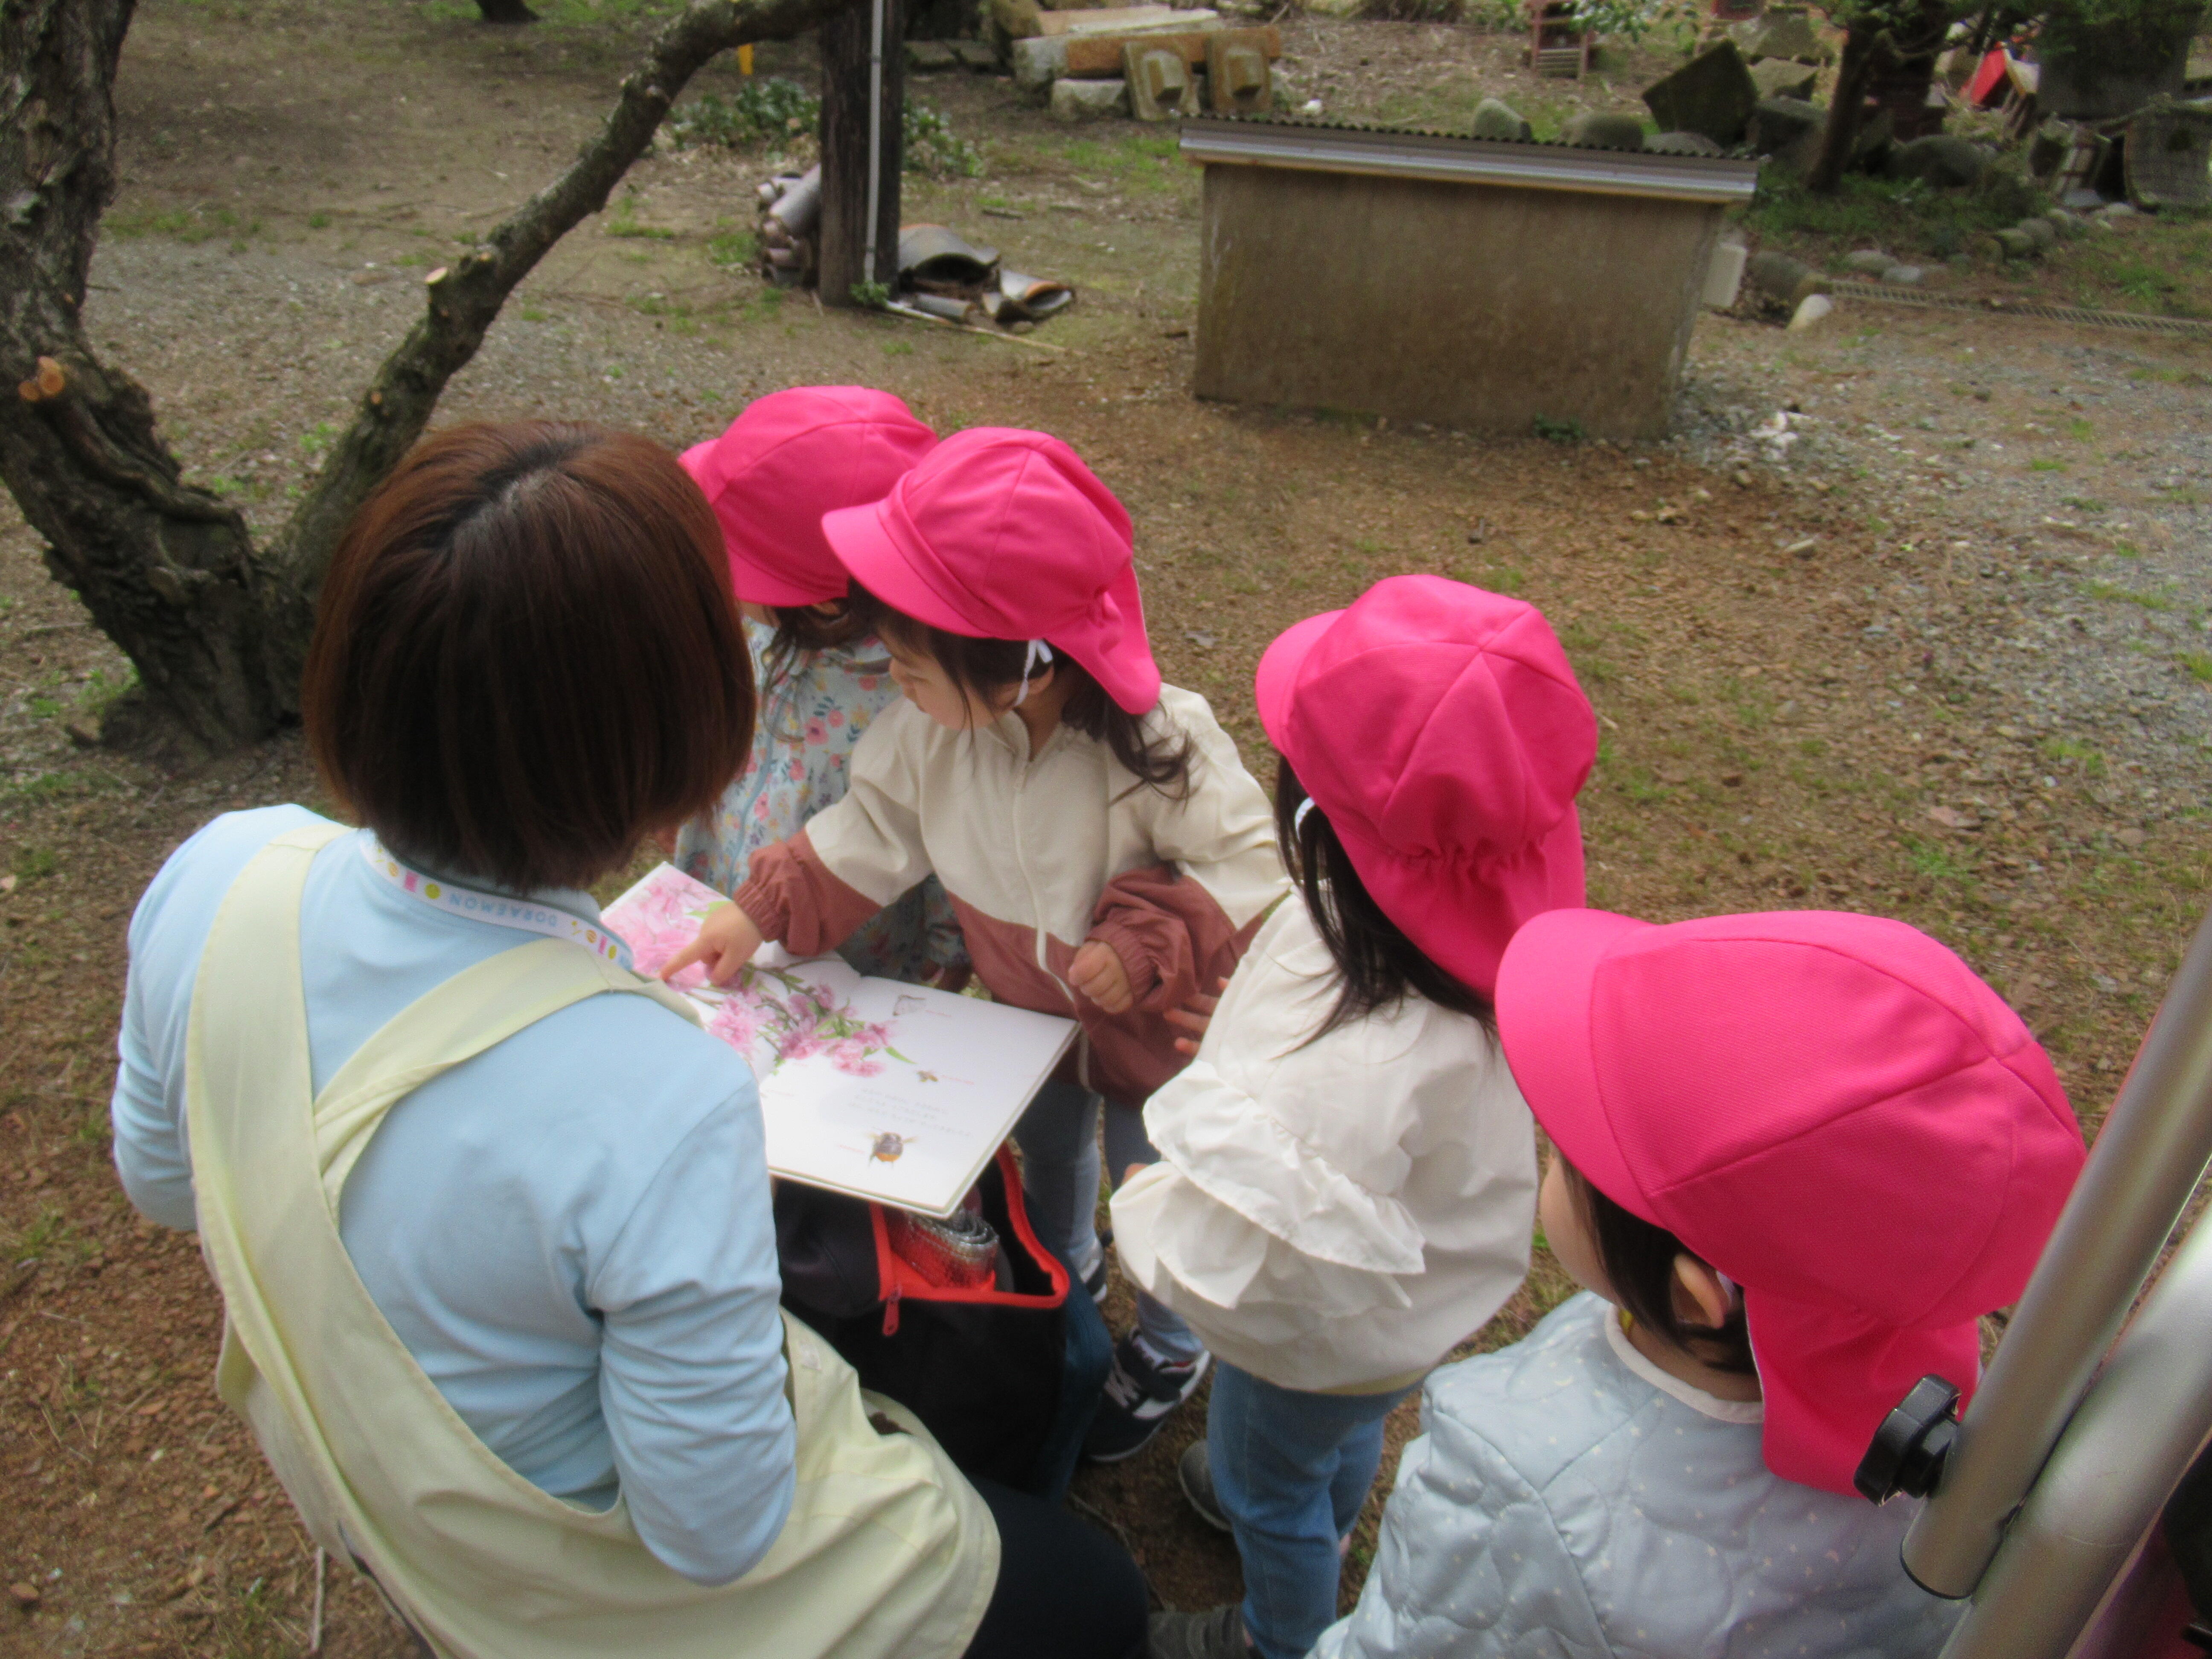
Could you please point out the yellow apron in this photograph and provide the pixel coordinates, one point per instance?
(887, 1553)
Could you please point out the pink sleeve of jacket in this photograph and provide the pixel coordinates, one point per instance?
(793, 898)
(1172, 935)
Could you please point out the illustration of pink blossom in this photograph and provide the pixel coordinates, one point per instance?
(817, 733)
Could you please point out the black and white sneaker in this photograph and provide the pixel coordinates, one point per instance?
(1096, 1281)
(1217, 1633)
(1141, 1392)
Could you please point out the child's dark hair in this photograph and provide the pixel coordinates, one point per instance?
(1639, 1258)
(983, 668)
(803, 628)
(1376, 965)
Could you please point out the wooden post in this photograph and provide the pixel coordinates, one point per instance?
(846, 40)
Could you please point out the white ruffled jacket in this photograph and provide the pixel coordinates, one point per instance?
(1332, 1214)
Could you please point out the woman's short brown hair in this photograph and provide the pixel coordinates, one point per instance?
(526, 655)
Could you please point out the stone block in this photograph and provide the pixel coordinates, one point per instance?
(1784, 78)
(2016, 244)
(1682, 143)
(1781, 277)
(1724, 276)
(1495, 118)
(1038, 61)
(1161, 86)
(1089, 101)
(974, 55)
(1811, 310)
(1603, 130)
(1713, 94)
(927, 57)
(1941, 159)
(1238, 81)
(1908, 275)
(1780, 32)
(1779, 123)
(1867, 262)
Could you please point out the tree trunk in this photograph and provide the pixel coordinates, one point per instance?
(847, 40)
(216, 628)
(1861, 43)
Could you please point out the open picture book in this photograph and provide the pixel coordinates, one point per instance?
(888, 1091)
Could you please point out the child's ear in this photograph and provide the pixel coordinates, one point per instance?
(1701, 1295)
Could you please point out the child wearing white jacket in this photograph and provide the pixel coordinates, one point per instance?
(1348, 1178)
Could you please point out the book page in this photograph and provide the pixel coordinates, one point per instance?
(894, 1092)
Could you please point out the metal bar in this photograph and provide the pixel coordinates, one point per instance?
(1455, 160)
(2155, 1146)
(2115, 1466)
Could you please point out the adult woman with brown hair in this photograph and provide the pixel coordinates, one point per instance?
(490, 1218)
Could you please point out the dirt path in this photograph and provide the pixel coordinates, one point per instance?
(1879, 667)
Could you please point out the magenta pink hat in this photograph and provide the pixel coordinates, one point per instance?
(788, 459)
(1440, 730)
(1005, 534)
(1832, 1109)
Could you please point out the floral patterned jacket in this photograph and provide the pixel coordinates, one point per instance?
(811, 716)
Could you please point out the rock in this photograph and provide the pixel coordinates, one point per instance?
(925, 56)
(2112, 211)
(2081, 201)
(1778, 123)
(2069, 226)
(1781, 277)
(1038, 61)
(24, 1595)
(975, 54)
(1713, 94)
(1909, 276)
(2041, 232)
(1782, 77)
(1495, 118)
(1089, 101)
(1782, 31)
(1724, 275)
(1867, 261)
(1602, 129)
(1810, 311)
(2016, 244)
(1941, 159)
(1682, 143)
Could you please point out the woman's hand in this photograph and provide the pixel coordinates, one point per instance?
(727, 941)
(1195, 1016)
(1097, 973)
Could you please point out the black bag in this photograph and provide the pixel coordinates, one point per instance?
(1006, 1379)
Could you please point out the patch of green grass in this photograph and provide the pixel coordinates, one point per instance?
(2082, 503)
(202, 222)
(2198, 663)
(43, 707)
(898, 349)
(731, 249)
(1139, 160)
(1566, 431)
(2044, 464)
(319, 220)
(2126, 596)
(532, 314)
(624, 224)
(2066, 750)
(768, 107)
(35, 864)
(1932, 861)
(1906, 216)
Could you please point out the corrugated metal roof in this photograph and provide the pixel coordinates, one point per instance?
(1396, 153)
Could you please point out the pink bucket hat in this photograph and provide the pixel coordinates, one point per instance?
(1832, 1109)
(1441, 730)
(788, 459)
(1002, 534)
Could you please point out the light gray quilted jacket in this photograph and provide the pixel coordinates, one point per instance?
(1566, 1500)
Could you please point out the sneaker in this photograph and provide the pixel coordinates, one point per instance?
(1096, 1281)
(1217, 1633)
(1195, 1472)
(1141, 1391)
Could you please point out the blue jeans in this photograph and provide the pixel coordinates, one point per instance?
(1059, 1139)
(1291, 1470)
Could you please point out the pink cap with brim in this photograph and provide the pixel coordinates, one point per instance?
(788, 459)
(1003, 534)
(1832, 1109)
(1440, 731)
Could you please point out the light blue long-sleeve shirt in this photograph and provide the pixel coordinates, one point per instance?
(571, 1232)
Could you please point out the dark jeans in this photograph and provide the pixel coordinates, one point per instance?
(1065, 1588)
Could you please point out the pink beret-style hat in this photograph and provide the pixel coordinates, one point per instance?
(1003, 534)
(1830, 1109)
(1440, 730)
(788, 459)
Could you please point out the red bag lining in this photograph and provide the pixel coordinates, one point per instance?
(901, 1281)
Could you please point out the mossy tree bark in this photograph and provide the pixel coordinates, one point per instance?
(216, 626)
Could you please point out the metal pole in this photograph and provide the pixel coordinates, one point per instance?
(2155, 1146)
(875, 134)
(2115, 1466)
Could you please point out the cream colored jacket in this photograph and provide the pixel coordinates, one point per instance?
(1332, 1215)
(1039, 854)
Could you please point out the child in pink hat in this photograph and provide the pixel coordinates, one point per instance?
(1106, 852)
(823, 677)
(1348, 1176)
(1796, 1156)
